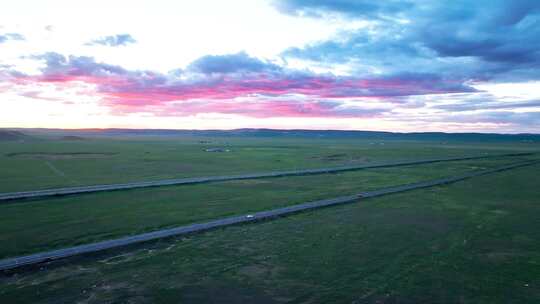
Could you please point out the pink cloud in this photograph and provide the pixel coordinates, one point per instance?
(256, 108)
(268, 91)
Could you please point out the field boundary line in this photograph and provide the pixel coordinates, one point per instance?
(12, 196)
(37, 258)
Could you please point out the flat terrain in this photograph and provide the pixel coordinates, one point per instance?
(475, 241)
(52, 162)
(471, 242)
(87, 218)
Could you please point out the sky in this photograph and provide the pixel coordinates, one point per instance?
(402, 66)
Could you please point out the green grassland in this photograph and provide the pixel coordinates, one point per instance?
(80, 219)
(476, 241)
(49, 162)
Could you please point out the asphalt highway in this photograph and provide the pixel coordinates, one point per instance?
(16, 262)
(11, 196)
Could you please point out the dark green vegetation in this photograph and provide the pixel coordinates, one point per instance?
(75, 220)
(476, 241)
(47, 161)
(471, 242)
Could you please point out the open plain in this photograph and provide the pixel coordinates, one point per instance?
(399, 248)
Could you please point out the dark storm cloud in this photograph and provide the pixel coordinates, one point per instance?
(494, 31)
(479, 40)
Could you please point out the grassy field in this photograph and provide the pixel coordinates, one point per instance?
(75, 220)
(472, 242)
(477, 241)
(48, 162)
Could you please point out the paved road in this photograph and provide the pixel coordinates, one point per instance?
(197, 180)
(37, 258)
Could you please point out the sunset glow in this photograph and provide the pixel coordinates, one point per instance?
(273, 64)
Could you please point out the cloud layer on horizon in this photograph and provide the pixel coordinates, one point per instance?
(235, 84)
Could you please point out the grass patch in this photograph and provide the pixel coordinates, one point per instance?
(130, 159)
(75, 220)
(471, 242)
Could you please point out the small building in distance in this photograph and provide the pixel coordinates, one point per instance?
(217, 150)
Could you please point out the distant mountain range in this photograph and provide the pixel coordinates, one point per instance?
(17, 134)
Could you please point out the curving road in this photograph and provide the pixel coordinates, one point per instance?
(197, 180)
(37, 258)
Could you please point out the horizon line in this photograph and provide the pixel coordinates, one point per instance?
(260, 129)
